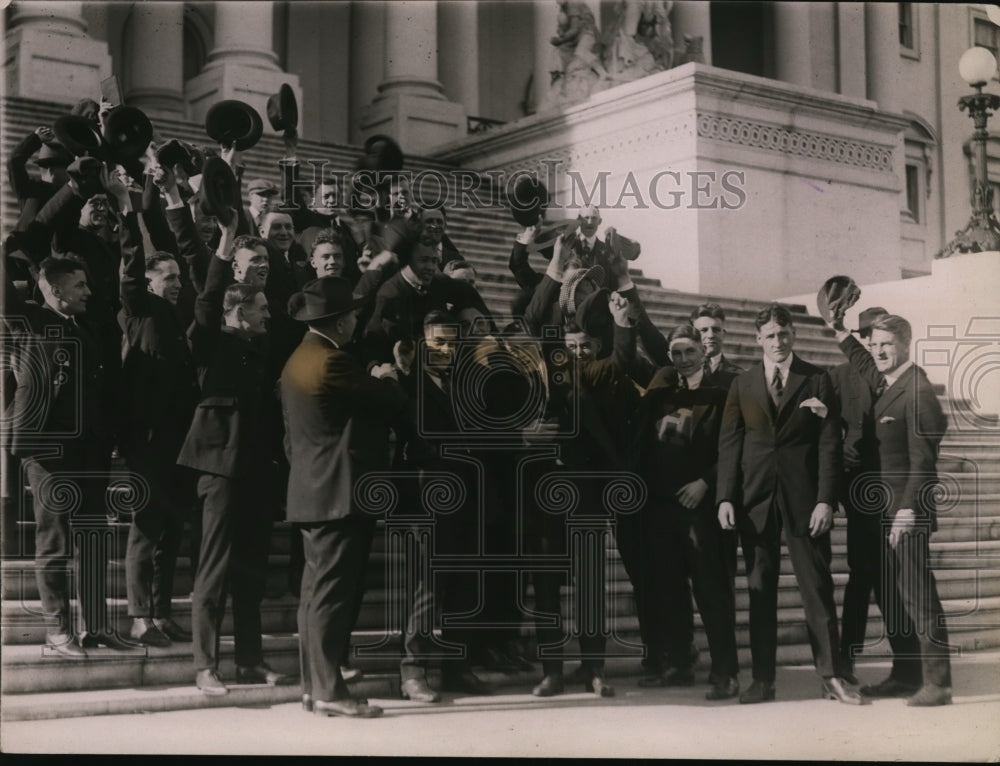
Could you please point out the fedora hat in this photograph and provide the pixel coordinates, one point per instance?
(545, 238)
(836, 295)
(283, 110)
(323, 297)
(593, 315)
(219, 190)
(569, 301)
(620, 245)
(234, 123)
(127, 132)
(175, 152)
(381, 153)
(53, 155)
(81, 136)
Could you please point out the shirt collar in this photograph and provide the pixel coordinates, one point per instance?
(322, 335)
(412, 282)
(588, 242)
(714, 362)
(897, 373)
(785, 366)
(694, 380)
(67, 317)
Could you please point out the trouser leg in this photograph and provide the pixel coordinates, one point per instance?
(712, 572)
(216, 496)
(762, 555)
(251, 541)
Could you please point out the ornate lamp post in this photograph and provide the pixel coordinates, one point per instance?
(977, 66)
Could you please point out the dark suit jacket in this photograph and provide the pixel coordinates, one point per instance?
(233, 427)
(336, 430)
(159, 384)
(856, 421)
(788, 459)
(909, 425)
(61, 389)
(669, 464)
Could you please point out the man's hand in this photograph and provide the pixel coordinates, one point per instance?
(102, 115)
(383, 258)
(230, 155)
(821, 520)
(116, 188)
(527, 236)
(225, 250)
(727, 515)
(692, 493)
(45, 134)
(619, 306)
(404, 353)
(291, 141)
(904, 522)
(384, 370)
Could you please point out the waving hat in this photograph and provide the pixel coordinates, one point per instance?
(234, 123)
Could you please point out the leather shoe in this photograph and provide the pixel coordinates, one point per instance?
(725, 687)
(759, 691)
(146, 633)
(672, 677)
(350, 674)
(890, 687)
(837, 689)
(597, 685)
(109, 640)
(172, 630)
(467, 682)
(307, 703)
(930, 695)
(515, 653)
(416, 689)
(262, 674)
(349, 707)
(209, 682)
(64, 645)
(549, 686)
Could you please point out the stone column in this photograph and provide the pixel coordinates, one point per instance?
(792, 52)
(882, 51)
(410, 105)
(242, 65)
(49, 55)
(546, 22)
(691, 17)
(367, 59)
(458, 58)
(850, 43)
(155, 76)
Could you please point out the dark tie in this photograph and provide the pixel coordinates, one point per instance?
(706, 367)
(682, 383)
(777, 387)
(883, 384)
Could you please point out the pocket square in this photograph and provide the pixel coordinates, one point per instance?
(886, 419)
(816, 406)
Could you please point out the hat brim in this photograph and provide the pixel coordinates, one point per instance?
(567, 293)
(301, 313)
(837, 294)
(218, 190)
(128, 132)
(80, 136)
(234, 122)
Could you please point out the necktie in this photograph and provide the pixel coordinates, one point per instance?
(883, 384)
(706, 367)
(682, 383)
(777, 387)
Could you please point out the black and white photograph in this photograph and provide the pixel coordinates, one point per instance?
(500, 378)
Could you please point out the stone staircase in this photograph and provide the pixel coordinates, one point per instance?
(965, 551)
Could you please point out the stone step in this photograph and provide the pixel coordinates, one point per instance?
(31, 669)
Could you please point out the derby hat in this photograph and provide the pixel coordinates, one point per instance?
(127, 132)
(283, 110)
(234, 123)
(836, 295)
(53, 155)
(593, 315)
(219, 190)
(381, 153)
(528, 201)
(81, 136)
(323, 297)
(570, 295)
(175, 152)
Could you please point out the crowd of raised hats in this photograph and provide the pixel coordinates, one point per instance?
(178, 308)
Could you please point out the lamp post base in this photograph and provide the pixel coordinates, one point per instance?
(982, 234)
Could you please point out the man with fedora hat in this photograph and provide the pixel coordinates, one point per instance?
(336, 429)
(863, 529)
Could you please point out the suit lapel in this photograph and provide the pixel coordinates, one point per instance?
(892, 393)
(758, 387)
